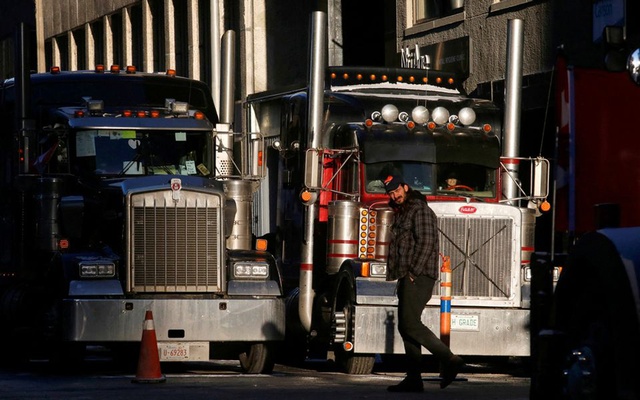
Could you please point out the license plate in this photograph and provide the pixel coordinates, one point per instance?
(174, 351)
(462, 322)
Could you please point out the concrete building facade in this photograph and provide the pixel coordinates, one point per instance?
(469, 37)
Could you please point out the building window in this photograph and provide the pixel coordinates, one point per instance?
(204, 44)
(63, 49)
(426, 10)
(48, 53)
(181, 37)
(97, 29)
(116, 34)
(81, 47)
(157, 12)
(136, 35)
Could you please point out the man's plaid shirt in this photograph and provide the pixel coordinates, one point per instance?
(414, 240)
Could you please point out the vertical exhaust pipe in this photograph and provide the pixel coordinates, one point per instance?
(215, 60)
(228, 77)
(317, 67)
(224, 138)
(513, 102)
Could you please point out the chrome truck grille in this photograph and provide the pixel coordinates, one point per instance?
(482, 255)
(175, 245)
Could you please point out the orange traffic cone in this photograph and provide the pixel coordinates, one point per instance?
(149, 360)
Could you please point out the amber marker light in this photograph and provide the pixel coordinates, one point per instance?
(55, 70)
(63, 244)
(115, 69)
(450, 81)
(171, 72)
(154, 114)
(345, 76)
(365, 269)
(372, 77)
(199, 115)
(305, 196)
(78, 113)
(431, 125)
(451, 126)
(141, 114)
(368, 123)
(438, 80)
(359, 77)
(127, 113)
(411, 124)
(400, 79)
(333, 75)
(131, 69)
(261, 244)
(545, 206)
(487, 128)
(100, 68)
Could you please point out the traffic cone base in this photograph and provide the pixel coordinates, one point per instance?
(149, 360)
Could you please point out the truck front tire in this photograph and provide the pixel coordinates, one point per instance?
(257, 359)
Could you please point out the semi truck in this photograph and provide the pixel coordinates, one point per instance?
(324, 209)
(122, 193)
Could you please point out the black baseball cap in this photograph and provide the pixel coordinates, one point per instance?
(391, 183)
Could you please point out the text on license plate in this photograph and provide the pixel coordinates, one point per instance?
(173, 351)
(462, 322)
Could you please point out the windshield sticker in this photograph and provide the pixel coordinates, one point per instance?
(124, 134)
(181, 136)
(85, 144)
(191, 167)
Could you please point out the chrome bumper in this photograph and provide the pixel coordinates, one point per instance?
(113, 320)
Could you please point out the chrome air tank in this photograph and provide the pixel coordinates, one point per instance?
(241, 191)
(342, 234)
(383, 222)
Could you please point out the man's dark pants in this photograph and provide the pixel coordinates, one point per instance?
(412, 298)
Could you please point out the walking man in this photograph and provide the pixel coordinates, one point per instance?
(413, 261)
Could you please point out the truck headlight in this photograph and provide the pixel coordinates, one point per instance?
(373, 269)
(253, 270)
(97, 270)
(378, 269)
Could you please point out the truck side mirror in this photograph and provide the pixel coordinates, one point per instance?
(313, 168)
(540, 178)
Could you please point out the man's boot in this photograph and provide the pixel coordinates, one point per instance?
(412, 383)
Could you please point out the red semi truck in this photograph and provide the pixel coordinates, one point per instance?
(324, 206)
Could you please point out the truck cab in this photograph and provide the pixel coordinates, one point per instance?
(120, 200)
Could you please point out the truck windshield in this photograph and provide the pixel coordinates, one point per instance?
(416, 174)
(474, 180)
(129, 152)
(443, 179)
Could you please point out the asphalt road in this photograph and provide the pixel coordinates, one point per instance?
(99, 379)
